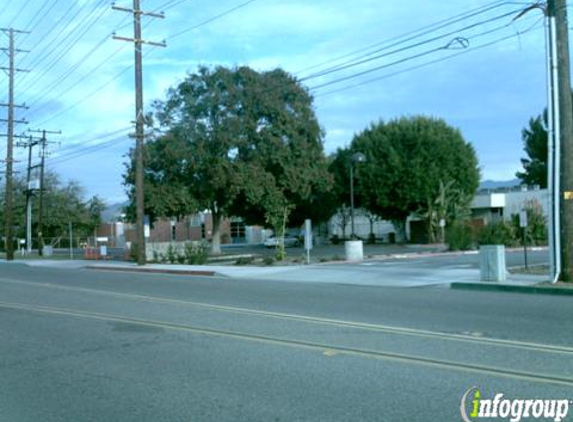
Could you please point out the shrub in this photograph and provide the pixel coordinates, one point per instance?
(196, 253)
(269, 260)
(536, 231)
(171, 254)
(498, 234)
(335, 239)
(371, 239)
(133, 251)
(245, 260)
(459, 236)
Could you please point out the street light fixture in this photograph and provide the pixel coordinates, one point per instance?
(357, 157)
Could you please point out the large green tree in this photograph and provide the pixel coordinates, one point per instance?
(535, 142)
(408, 163)
(238, 143)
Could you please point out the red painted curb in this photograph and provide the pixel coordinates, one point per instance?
(154, 271)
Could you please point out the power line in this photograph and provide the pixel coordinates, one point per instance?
(91, 94)
(73, 68)
(64, 28)
(108, 144)
(24, 4)
(369, 57)
(409, 36)
(122, 72)
(87, 75)
(76, 148)
(57, 24)
(84, 30)
(400, 61)
(6, 6)
(214, 18)
(46, 3)
(422, 65)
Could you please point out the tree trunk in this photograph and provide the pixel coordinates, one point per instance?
(216, 235)
(400, 226)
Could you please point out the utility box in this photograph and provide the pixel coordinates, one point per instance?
(492, 263)
(353, 250)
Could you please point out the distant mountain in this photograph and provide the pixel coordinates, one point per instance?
(494, 184)
(113, 211)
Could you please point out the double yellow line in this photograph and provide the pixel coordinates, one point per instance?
(326, 349)
(537, 347)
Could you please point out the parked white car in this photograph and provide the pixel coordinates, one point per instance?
(289, 241)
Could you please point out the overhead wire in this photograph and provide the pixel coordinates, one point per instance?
(79, 149)
(24, 4)
(214, 18)
(72, 23)
(369, 58)
(425, 64)
(38, 13)
(409, 36)
(400, 61)
(113, 143)
(123, 71)
(6, 7)
(81, 61)
(74, 40)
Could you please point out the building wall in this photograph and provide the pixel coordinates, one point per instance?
(382, 229)
(513, 202)
(192, 228)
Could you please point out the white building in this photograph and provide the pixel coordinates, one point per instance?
(497, 206)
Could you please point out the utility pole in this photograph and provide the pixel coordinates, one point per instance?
(11, 71)
(139, 119)
(43, 147)
(30, 144)
(557, 9)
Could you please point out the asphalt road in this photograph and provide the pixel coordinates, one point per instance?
(79, 345)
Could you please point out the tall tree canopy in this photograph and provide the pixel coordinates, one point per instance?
(535, 141)
(407, 162)
(239, 143)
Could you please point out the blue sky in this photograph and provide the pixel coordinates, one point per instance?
(81, 82)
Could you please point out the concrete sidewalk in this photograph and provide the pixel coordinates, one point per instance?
(393, 274)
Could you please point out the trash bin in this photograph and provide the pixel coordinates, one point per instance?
(492, 263)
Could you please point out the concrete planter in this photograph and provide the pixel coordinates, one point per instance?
(492, 263)
(353, 250)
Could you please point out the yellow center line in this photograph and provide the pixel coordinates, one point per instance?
(547, 348)
(327, 349)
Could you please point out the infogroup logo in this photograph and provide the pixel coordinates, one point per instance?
(474, 407)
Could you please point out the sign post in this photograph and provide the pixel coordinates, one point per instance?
(307, 238)
(523, 225)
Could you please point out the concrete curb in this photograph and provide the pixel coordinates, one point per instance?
(423, 254)
(153, 270)
(536, 289)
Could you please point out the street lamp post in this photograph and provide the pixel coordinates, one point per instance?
(357, 157)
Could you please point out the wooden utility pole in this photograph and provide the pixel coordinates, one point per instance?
(11, 71)
(557, 9)
(30, 144)
(43, 152)
(139, 120)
